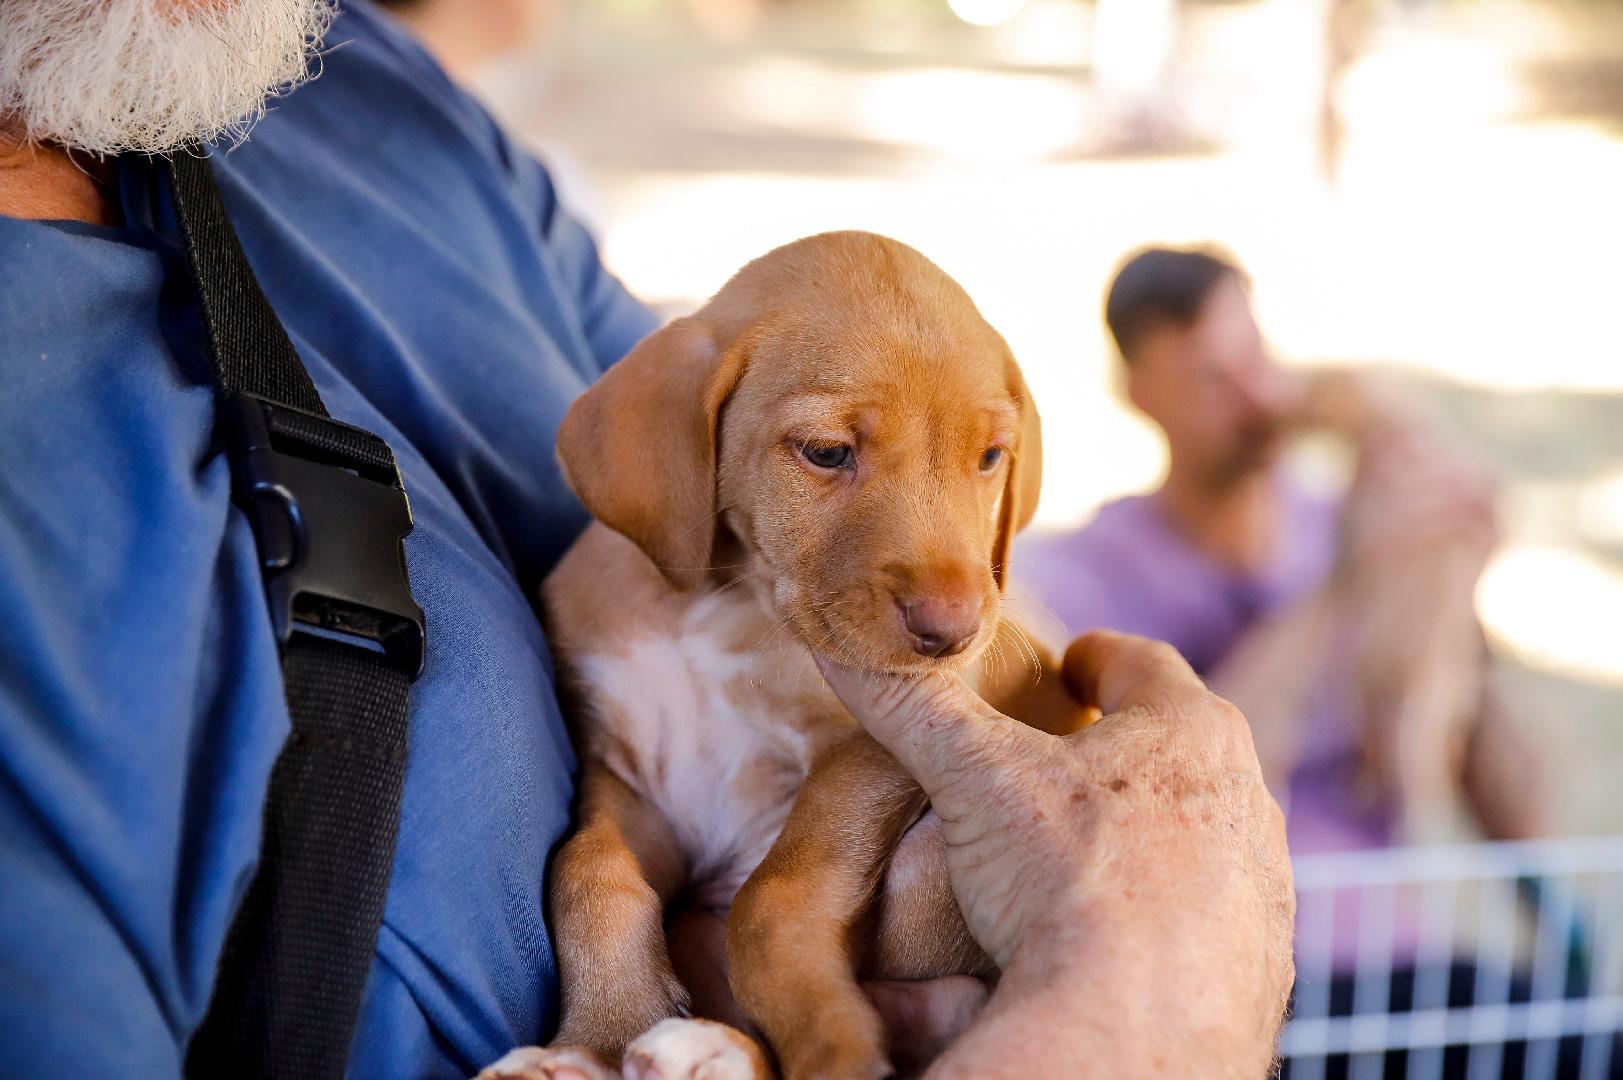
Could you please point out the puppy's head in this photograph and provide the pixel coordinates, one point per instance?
(842, 418)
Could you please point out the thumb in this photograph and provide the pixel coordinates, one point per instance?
(932, 722)
(1115, 671)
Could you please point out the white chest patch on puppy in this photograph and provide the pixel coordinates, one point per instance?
(709, 723)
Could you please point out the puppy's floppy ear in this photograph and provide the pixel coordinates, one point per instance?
(1025, 480)
(639, 447)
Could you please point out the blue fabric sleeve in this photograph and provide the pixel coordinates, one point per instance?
(611, 318)
(135, 733)
(604, 312)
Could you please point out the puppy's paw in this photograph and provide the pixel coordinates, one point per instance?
(549, 1063)
(694, 1050)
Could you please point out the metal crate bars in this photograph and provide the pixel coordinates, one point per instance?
(1478, 962)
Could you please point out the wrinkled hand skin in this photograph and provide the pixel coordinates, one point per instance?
(1131, 880)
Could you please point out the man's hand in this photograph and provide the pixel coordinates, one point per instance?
(1131, 880)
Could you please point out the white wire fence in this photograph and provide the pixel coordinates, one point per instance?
(1469, 962)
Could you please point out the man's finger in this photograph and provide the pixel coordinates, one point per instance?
(932, 723)
(1118, 671)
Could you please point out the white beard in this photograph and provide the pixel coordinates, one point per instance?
(116, 76)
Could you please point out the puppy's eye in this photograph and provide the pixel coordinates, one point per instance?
(828, 455)
(990, 459)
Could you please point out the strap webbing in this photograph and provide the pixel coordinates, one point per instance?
(288, 990)
(250, 349)
(294, 968)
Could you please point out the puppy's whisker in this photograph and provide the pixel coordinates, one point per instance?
(845, 640)
(779, 623)
(1003, 652)
(1028, 651)
(782, 622)
(995, 658)
(771, 631)
(1048, 611)
(740, 578)
(1031, 651)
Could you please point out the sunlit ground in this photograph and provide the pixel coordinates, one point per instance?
(1471, 239)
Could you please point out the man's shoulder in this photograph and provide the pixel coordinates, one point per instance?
(377, 106)
(370, 50)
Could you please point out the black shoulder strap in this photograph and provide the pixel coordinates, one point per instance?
(250, 349)
(329, 516)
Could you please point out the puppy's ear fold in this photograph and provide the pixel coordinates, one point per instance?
(639, 447)
(1025, 479)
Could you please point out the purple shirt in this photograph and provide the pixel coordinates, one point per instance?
(1130, 569)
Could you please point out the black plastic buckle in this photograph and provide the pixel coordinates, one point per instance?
(330, 516)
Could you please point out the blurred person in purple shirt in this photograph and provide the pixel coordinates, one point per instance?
(1342, 627)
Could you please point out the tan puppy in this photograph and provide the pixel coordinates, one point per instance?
(834, 455)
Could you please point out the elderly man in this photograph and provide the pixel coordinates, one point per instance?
(439, 296)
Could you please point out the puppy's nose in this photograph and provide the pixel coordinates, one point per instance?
(941, 627)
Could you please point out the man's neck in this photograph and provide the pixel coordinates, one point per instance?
(43, 181)
(1235, 523)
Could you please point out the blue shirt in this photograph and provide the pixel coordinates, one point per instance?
(439, 296)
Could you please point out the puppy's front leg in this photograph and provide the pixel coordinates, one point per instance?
(794, 929)
(608, 891)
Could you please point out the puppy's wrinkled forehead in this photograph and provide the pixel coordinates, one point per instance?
(862, 317)
(812, 375)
